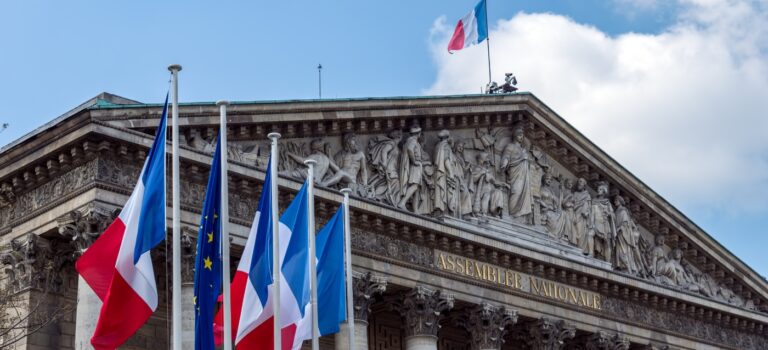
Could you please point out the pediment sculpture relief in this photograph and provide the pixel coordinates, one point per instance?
(481, 177)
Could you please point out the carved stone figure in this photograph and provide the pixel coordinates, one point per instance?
(671, 271)
(566, 193)
(384, 154)
(602, 232)
(411, 169)
(657, 256)
(427, 186)
(446, 195)
(628, 256)
(582, 210)
(353, 168)
(318, 153)
(516, 163)
(552, 213)
(488, 192)
(463, 169)
(196, 141)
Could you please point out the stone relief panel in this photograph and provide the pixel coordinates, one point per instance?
(682, 323)
(494, 177)
(45, 194)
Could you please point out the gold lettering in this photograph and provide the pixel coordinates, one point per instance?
(491, 274)
(480, 271)
(451, 262)
(459, 266)
(596, 302)
(572, 296)
(442, 262)
(506, 278)
(534, 286)
(518, 282)
(562, 296)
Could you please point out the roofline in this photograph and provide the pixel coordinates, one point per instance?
(104, 98)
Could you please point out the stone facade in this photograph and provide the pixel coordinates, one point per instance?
(478, 222)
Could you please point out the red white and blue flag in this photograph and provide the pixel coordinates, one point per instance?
(472, 29)
(118, 265)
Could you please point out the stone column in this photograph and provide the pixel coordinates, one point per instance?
(82, 227)
(487, 325)
(422, 309)
(364, 286)
(549, 334)
(188, 253)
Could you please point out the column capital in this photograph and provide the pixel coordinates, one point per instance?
(549, 334)
(365, 285)
(423, 310)
(652, 346)
(487, 325)
(83, 226)
(30, 262)
(602, 340)
(188, 254)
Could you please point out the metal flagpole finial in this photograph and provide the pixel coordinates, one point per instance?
(274, 136)
(174, 67)
(222, 103)
(310, 162)
(346, 191)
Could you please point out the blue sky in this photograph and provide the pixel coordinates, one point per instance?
(56, 54)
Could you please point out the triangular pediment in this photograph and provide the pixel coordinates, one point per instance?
(504, 166)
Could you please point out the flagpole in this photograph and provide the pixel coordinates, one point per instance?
(176, 245)
(348, 270)
(488, 41)
(274, 157)
(224, 217)
(310, 163)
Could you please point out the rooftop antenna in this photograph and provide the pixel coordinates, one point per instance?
(320, 81)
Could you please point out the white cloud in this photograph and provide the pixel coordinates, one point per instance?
(686, 109)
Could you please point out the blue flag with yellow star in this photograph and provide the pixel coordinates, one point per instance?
(208, 260)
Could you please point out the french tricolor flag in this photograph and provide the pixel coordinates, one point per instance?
(472, 29)
(118, 265)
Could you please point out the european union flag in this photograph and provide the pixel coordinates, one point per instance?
(208, 260)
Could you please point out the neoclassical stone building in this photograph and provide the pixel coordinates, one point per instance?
(479, 222)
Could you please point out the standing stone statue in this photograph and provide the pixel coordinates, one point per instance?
(657, 257)
(516, 163)
(445, 196)
(552, 213)
(463, 168)
(566, 195)
(488, 192)
(427, 186)
(582, 210)
(411, 169)
(384, 154)
(628, 257)
(353, 170)
(603, 229)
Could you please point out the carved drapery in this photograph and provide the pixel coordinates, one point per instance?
(487, 324)
(364, 286)
(423, 309)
